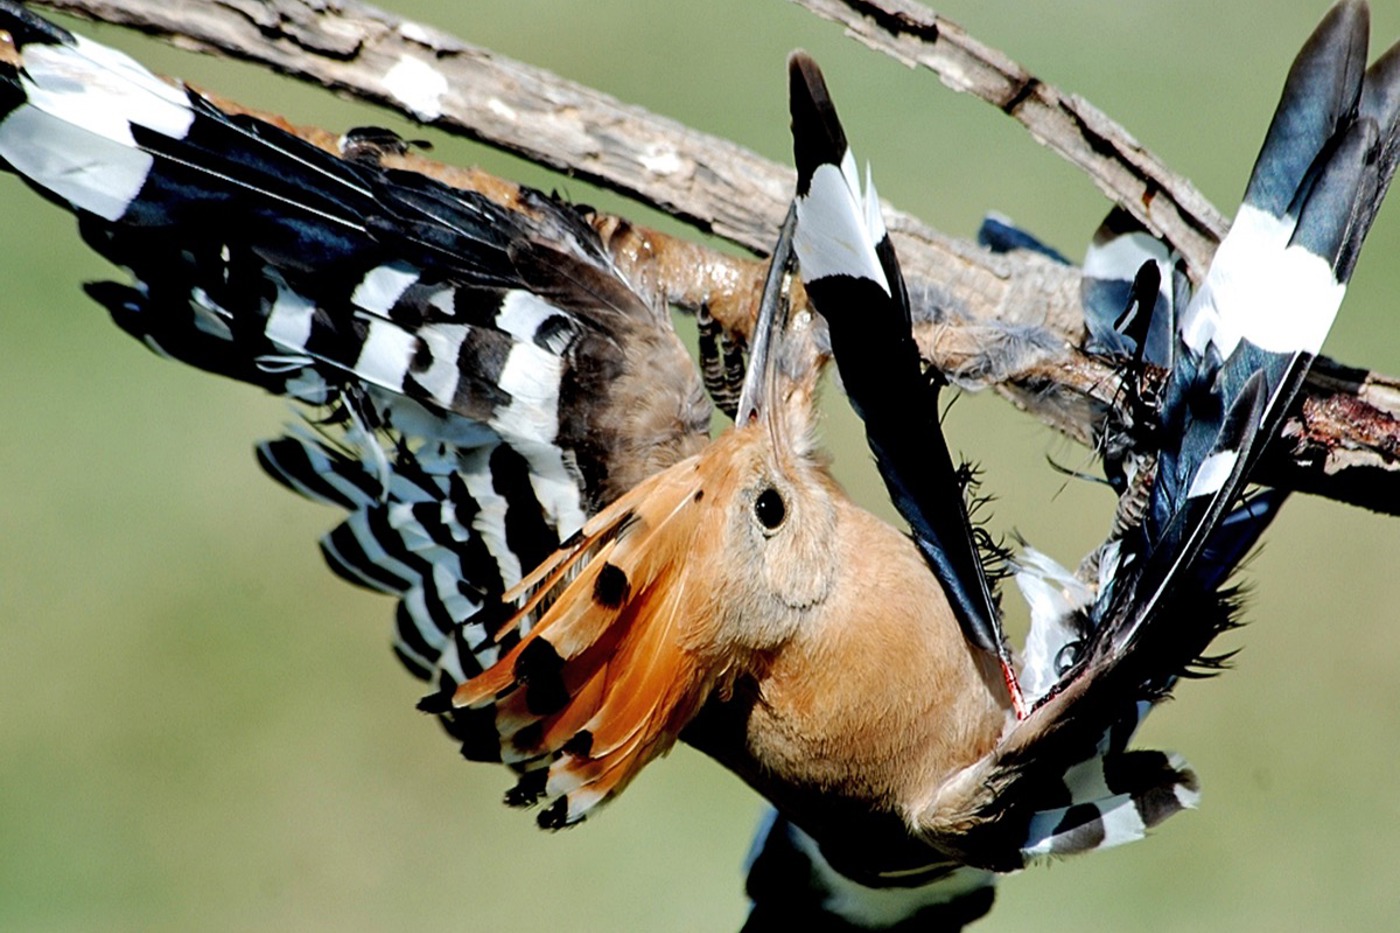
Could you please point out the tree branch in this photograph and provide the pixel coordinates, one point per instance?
(1012, 322)
(1166, 203)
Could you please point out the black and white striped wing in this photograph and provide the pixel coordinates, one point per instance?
(1232, 356)
(481, 379)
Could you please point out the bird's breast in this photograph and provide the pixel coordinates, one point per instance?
(878, 697)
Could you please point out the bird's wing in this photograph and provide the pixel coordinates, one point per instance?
(478, 377)
(1247, 337)
(1063, 780)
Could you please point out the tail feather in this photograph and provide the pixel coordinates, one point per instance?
(1380, 101)
(851, 273)
(1320, 95)
(1268, 299)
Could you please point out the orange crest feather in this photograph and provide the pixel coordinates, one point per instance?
(601, 681)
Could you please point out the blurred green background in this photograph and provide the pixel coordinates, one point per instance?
(201, 727)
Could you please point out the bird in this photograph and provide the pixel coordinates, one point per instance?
(525, 663)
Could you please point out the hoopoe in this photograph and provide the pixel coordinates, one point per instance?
(701, 592)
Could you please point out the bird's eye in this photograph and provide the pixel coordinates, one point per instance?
(769, 508)
(1068, 656)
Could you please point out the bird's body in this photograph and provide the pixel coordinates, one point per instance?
(726, 581)
(875, 700)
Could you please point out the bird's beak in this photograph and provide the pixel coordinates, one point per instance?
(760, 381)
